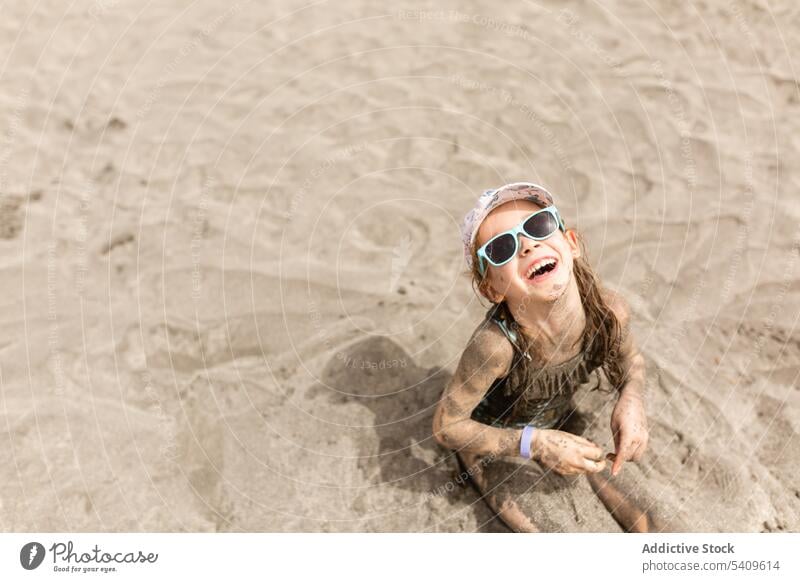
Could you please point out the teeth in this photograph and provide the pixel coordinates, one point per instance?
(538, 265)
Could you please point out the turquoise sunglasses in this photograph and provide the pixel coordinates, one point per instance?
(503, 247)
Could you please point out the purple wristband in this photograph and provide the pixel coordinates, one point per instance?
(526, 441)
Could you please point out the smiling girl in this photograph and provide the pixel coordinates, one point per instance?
(508, 410)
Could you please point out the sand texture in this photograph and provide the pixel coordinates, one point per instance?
(232, 281)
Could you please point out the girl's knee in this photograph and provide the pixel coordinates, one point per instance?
(630, 511)
(507, 509)
(472, 469)
(515, 518)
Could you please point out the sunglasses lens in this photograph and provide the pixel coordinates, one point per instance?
(501, 249)
(541, 225)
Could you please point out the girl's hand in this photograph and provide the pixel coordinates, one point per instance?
(629, 427)
(566, 453)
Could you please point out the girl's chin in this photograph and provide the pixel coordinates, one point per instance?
(545, 293)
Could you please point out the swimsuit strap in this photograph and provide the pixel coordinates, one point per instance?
(509, 333)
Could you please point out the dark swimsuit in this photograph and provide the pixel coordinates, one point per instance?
(545, 402)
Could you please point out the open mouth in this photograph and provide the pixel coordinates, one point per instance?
(541, 269)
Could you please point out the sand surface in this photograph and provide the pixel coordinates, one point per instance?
(232, 281)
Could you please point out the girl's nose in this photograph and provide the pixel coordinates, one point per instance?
(527, 245)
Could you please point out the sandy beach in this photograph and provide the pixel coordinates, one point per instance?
(233, 286)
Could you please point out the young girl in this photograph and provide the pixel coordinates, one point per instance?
(508, 410)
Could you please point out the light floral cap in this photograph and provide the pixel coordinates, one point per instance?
(491, 199)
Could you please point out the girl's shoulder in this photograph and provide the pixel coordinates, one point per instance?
(489, 346)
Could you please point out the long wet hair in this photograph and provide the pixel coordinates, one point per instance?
(602, 336)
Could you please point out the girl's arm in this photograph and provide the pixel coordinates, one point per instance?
(488, 356)
(632, 360)
(628, 420)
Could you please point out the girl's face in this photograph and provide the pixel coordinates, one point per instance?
(518, 280)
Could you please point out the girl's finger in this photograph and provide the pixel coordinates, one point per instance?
(595, 466)
(593, 453)
(639, 453)
(623, 454)
(583, 441)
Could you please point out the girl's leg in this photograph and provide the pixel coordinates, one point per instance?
(629, 500)
(627, 497)
(530, 498)
(622, 507)
(506, 509)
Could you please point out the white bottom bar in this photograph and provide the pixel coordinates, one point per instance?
(400, 557)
